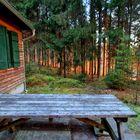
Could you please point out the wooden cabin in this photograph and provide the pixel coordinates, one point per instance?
(12, 70)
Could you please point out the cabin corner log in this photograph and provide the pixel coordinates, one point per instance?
(11, 124)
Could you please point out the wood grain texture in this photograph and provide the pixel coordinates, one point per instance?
(12, 77)
(56, 105)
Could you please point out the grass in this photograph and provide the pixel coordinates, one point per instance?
(53, 84)
(42, 83)
(134, 123)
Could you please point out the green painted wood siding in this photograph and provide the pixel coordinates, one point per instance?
(9, 49)
(3, 48)
(15, 49)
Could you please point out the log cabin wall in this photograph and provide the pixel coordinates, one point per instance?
(11, 78)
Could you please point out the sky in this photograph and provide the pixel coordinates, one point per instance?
(86, 2)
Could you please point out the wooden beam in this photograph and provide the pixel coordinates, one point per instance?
(91, 122)
(4, 121)
(121, 119)
(12, 124)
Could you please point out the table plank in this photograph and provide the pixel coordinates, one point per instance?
(58, 96)
(64, 108)
(58, 105)
(70, 114)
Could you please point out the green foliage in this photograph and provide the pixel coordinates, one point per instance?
(81, 77)
(132, 84)
(31, 68)
(124, 55)
(134, 123)
(67, 82)
(46, 81)
(42, 78)
(68, 26)
(48, 71)
(36, 80)
(117, 79)
(114, 35)
(100, 84)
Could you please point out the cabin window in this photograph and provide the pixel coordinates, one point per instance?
(9, 50)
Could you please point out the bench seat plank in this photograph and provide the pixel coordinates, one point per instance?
(58, 105)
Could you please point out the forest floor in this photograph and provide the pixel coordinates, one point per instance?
(42, 83)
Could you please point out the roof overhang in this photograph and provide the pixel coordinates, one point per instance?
(8, 11)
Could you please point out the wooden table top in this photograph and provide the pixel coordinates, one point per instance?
(59, 105)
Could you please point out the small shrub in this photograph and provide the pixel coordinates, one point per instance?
(101, 84)
(134, 85)
(49, 78)
(117, 79)
(80, 77)
(39, 79)
(34, 80)
(31, 68)
(48, 71)
(67, 82)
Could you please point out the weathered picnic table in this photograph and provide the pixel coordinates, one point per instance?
(18, 108)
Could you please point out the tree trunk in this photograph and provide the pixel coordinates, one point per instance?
(104, 56)
(130, 10)
(109, 45)
(83, 56)
(65, 62)
(61, 63)
(104, 39)
(99, 42)
(93, 40)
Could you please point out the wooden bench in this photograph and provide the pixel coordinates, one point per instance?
(18, 108)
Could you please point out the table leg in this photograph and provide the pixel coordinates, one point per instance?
(120, 128)
(109, 129)
(105, 125)
(50, 120)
